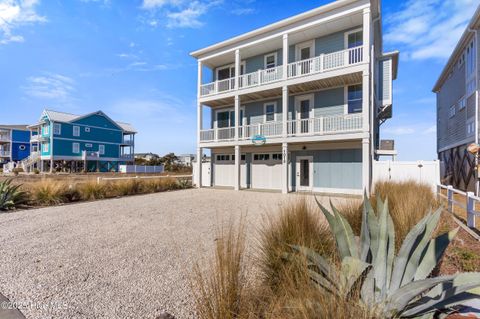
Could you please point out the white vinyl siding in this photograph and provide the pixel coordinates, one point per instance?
(76, 131)
(75, 148)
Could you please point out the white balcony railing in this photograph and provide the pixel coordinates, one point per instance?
(318, 64)
(4, 153)
(261, 77)
(338, 124)
(4, 137)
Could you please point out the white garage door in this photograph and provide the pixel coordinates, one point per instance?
(267, 171)
(224, 171)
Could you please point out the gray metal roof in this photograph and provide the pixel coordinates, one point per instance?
(68, 117)
(19, 127)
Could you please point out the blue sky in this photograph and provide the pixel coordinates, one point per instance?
(130, 59)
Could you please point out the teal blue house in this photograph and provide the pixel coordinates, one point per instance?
(74, 143)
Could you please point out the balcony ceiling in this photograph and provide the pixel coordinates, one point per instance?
(267, 46)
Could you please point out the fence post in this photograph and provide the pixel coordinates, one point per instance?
(470, 210)
(450, 198)
(98, 179)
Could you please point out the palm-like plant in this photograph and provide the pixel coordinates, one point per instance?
(10, 195)
(394, 285)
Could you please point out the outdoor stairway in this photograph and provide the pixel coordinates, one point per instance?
(28, 163)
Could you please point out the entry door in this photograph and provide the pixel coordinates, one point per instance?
(305, 53)
(304, 107)
(304, 173)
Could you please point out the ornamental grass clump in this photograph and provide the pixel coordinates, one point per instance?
(92, 190)
(48, 192)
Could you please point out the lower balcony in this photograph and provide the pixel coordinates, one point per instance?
(349, 123)
(5, 153)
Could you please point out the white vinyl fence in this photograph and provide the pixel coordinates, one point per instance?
(427, 172)
(139, 169)
(467, 204)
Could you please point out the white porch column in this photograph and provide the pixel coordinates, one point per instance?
(237, 68)
(284, 111)
(199, 78)
(237, 117)
(366, 34)
(198, 168)
(366, 106)
(366, 165)
(285, 56)
(237, 168)
(284, 168)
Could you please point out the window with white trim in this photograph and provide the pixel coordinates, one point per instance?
(462, 103)
(88, 145)
(277, 156)
(270, 60)
(76, 131)
(224, 157)
(270, 110)
(470, 68)
(57, 129)
(470, 127)
(355, 101)
(101, 149)
(452, 111)
(46, 129)
(45, 147)
(75, 148)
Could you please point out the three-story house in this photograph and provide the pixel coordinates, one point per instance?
(296, 105)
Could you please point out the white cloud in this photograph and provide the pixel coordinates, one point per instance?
(243, 11)
(14, 14)
(432, 129)
(178, 13)
(425, 29)
(50, 86)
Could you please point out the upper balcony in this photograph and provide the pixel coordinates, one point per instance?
(322, 48)
(322, 63)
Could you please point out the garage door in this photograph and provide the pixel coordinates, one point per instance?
(224, 171)
(267, 171)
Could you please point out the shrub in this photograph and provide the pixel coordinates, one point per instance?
(91, 190)
(390, 285)
(220, 292)
(127, 187)
(36, 171)
(299, 224)
(184, 183)
(48, 192)
(17, 170)
(10, 195)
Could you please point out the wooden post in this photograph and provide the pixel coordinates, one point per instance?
(470, 210)
(450, 198)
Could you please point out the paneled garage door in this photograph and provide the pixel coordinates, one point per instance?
(267, 171)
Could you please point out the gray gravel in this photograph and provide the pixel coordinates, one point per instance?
(120, 258)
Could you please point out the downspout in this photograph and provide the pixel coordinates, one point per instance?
(373, 116)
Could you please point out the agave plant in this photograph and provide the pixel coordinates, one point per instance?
(10, 195)
(396, 285)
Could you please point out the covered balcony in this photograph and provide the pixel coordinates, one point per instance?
(347, 123)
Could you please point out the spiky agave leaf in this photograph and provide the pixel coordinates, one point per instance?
(11, 195)
(365, 254)
(342, 231)
(433, 254)
(353, 273)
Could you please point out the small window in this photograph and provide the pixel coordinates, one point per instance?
(46, 129)
(45, 147)
(270, 61)
(76, 131)
(88, 145)
(462, 103)
(261, 157)
(270, 112)
(471, 128)
(22, 147)
(452, 111)
(243, 157)
(355, 98)
(75, 148)
(87, 129)
(101, 149)
(277, 157)
(57, 129)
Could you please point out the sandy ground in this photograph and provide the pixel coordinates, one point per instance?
(120, 258)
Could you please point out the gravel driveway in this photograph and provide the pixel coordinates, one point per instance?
(119, 258)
